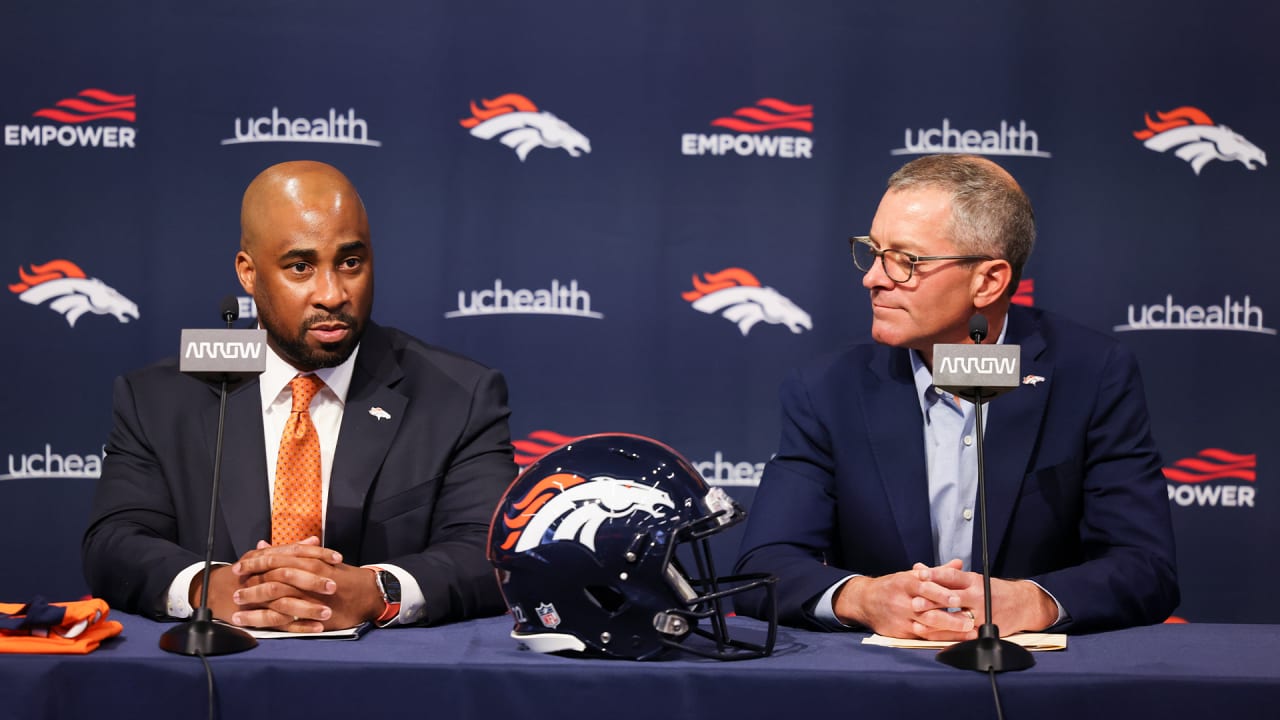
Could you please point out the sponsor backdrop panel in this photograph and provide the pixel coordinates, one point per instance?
(639, 213)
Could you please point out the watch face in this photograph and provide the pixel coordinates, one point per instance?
(390, 585)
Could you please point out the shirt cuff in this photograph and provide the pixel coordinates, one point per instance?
(179, 602)
(412, 603)
(1063, 616)
(824, 609)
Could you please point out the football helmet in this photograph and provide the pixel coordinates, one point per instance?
(591, 544)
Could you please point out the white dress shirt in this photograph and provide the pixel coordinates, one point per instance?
(326, 414)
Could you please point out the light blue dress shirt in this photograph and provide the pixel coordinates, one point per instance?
(951, 453)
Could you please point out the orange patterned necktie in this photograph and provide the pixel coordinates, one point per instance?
(296, 505)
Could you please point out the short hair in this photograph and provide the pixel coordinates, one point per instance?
(990, 214)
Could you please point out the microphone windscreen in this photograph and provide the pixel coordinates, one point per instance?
(230, 309)
(978, 327)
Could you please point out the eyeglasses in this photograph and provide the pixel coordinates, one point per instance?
(898, 264)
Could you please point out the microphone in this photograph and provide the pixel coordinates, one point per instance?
(978, 328)
(978, 373)
(222, 356)
(230, 309)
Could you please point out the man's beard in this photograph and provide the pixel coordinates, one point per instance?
(298, 353)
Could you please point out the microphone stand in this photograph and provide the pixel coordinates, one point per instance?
(201, 635)
(987, 653)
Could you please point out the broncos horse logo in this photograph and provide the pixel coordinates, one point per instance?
(573, 508)
(71, 293)
(522, 128)
(1197, 139)
(738, 295)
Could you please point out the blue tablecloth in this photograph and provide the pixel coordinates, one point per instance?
(474, 669)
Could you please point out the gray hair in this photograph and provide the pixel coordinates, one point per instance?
(990, 214)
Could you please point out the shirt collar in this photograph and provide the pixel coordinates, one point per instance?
(924, 378)
(279, 373)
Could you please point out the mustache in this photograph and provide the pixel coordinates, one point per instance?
(341, 317)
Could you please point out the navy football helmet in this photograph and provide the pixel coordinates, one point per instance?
(591, 544)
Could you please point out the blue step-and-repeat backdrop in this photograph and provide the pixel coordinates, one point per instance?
(638, 211)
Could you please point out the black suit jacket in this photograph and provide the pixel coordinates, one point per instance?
(417, 490)
(1076, 499)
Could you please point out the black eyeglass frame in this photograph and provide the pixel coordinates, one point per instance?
(912, 258)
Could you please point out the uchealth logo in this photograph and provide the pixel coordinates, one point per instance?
(517, 123)
(1232, 315)
(755, 132)
(69, 292)
(78, 119)
(719, 471)
(1007, 139)
(48, 464)
(557, 299)
(1214, 477)
(336, 128)
(738, 296)
(1193, 136)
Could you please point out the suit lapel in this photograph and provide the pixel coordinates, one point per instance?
(1013, 424)
(896, 432)
(370, 420)
(244, 466)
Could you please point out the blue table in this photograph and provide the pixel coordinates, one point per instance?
(1167, 672)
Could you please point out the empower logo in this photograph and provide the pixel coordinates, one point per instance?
(537, 444)
(1025, 294)
(89, 106)
(1194, 137)
(518, 124)
(71, 293)
(334, 128)
(1234, 315)
(754, 126)
(716, 471)
(1195, 480)
(739, 297)
(1007, 139)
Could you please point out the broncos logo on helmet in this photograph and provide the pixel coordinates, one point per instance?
(516, 120)
(1197, 139)
(738, 296)
(71, 293)
(570, 508)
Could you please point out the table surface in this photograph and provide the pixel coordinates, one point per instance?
(475, 669)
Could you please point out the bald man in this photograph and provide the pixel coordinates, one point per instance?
(868, 512)
(413, 445)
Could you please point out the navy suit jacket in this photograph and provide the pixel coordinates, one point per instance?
(1076, 499)
(417, 489)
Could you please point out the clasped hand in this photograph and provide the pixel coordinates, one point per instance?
(941, 603)
(301, 587)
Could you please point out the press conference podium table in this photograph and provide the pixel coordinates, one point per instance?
(474, 670)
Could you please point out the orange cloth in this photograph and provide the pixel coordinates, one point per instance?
(83, 626)
(296, 503)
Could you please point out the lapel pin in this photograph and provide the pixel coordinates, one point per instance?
(384, 415)
(1028, 380)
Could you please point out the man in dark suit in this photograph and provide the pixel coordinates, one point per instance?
(365, 497)
(868, 512)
